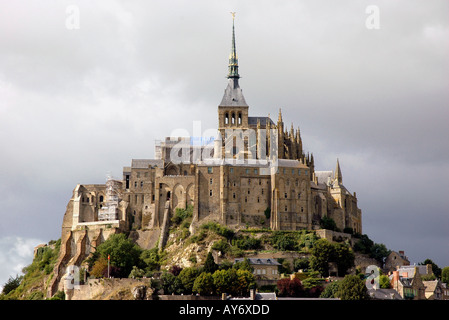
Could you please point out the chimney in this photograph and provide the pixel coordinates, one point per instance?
(429, 269)
(395, 280)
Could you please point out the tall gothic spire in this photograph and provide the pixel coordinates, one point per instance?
(233, 96)
(233, 59)
(337, 174)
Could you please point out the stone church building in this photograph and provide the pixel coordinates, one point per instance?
(253, 173)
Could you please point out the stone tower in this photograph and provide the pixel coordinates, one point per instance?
(233, 110)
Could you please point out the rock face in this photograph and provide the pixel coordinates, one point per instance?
(113, 289)
(139, 292)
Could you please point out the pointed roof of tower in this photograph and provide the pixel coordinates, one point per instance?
(337, 174)
(233, 96)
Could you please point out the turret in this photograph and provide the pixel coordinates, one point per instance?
(337, 175)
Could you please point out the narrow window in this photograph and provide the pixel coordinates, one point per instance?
(226, 118)
(210, 193)
(211, 181)
(233, 118)
(231, 170)
(285, 195)
(233, 195)
(127, 181)
(240, 118)
(210, 170)
(101, 199)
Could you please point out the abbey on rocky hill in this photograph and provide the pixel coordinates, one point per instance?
(253, 173)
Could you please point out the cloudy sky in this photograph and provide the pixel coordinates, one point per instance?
(86, 86)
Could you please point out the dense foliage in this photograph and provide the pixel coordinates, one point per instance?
(30, 286)
(324, 252)
(365, 245)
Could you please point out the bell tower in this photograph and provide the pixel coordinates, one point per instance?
(233, 110)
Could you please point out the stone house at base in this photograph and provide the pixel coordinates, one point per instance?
(265, 270)
(395, 260)
(436, 290)
(408, 283)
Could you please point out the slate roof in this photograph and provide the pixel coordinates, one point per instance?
(422, 269)
(384, 294)
(259, 261)
(145, 163)
(252, 121)
(233, 96)
(323, 176)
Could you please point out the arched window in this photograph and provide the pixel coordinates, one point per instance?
(226, 118)
(233, 118)
(240, 118)
(101, 199)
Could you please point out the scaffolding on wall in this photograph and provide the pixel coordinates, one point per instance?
(109, 211)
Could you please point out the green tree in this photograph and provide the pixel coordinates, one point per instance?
(187, 277)
(313, 286)
(330, 291)
(150, 259)
(136, 273)
(267, 213)
(352, 288)
(301, 263)
(222, 246)
(210, 265)
(171, 284)
(364, 244)
(379, 252)
(123, 253)
(11, 284)
(322, 253)
(204, 284)
(445, 275)
(244, 282)
(328, 223)
(343, 256)
(225, 281)
(384, 282)
(435, 269)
